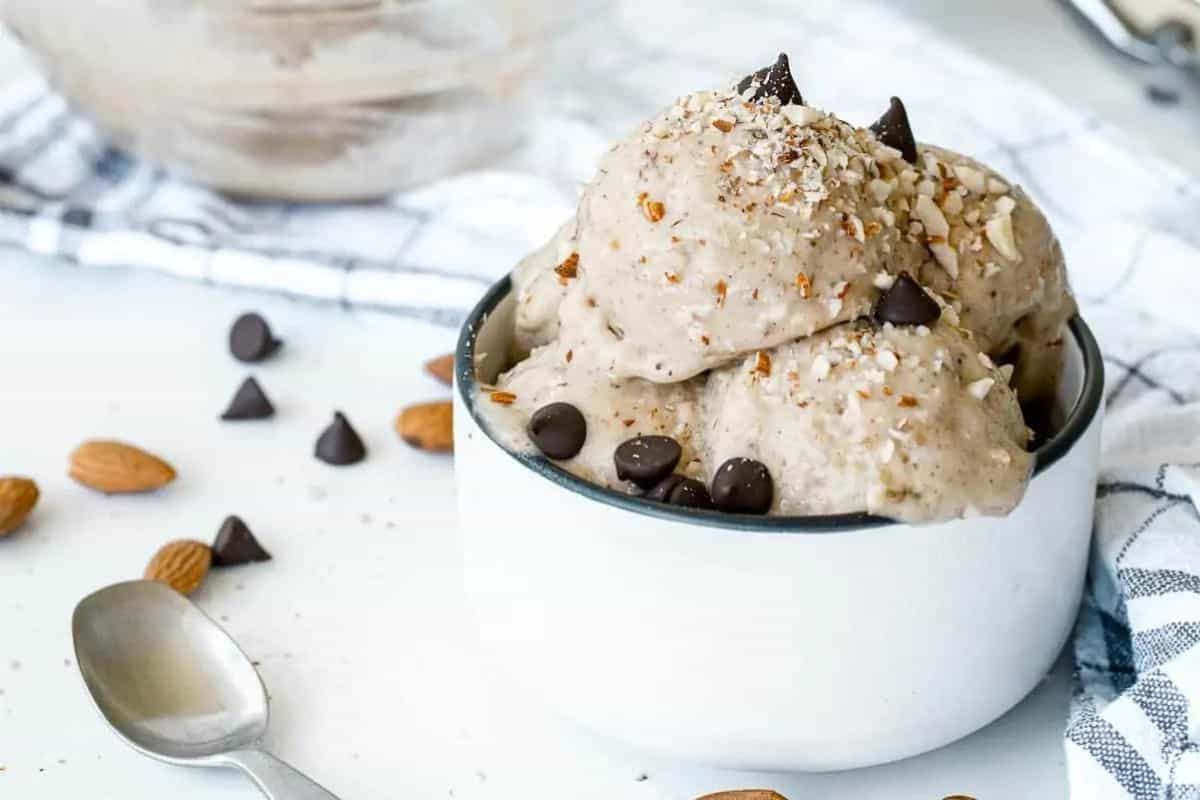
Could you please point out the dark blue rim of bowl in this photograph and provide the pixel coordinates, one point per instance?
(1045, 456)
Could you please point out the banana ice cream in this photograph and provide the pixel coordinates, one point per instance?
(803, 316)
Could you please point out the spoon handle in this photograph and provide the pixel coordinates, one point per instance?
(277, 780)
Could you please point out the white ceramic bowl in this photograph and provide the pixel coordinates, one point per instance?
(774, 643)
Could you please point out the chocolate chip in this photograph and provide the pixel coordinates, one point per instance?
(559, 430)
(646, 460)
(662, 490)
(743, 486)
(690, 493)
(894, 131)
(250, 402)
(906, 303)
(235, 545)
(250, 338)
(340, 444)
(773, 81)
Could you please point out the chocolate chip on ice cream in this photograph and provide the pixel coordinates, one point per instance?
(646, 460)
(894, 131)
(743, 486)
(773, 81)
(559, 430)
(906, 303)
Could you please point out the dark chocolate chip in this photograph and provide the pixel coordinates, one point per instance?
(559, 430)
(773, 81)
(235, 545)
(250, 338)
(250, 402)
(662, 490)
(646, 460)
(340, 444)
(906, 303)
(743, 486)
(894, 131)
(690, 493)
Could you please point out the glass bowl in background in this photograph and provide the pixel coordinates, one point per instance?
(299, 99)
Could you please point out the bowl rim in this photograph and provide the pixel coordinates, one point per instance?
(1051, 452)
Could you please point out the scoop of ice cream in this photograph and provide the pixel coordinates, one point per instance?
(722, 226)
(911, 422)
(539, 281)
(1004, 264)
(614, 411)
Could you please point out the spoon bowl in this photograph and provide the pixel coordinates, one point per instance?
(176, 687)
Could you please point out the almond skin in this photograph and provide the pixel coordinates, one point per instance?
(118, 468)
(442, 368)
(428, 426)
(744, 794)
(181, 565)
(18, 496)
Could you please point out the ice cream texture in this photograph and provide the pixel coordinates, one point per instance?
(721, 283)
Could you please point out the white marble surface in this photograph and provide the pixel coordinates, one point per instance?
(357, 623)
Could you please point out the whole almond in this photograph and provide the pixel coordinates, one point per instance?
(428, 426)
(18, 496)
(181, 565)
(118, 468)
(442, 368)
(744, 794)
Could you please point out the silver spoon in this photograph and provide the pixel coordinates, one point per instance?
(175, 687)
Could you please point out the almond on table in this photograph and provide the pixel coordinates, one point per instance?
(428, 426)
(18, 496)
(441, 368)
(181, 564)
(117, 468)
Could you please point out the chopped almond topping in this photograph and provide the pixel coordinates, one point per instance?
(641, 259)
(762, 364)
(804, 285)
(615, 244)
(672, 277)
(863, 393)
(503, 398)
(723, 125)
(935, 239)
(674, 240)
(570, 355)
(591, 302)
(754, 295)
(628, 422)
(568, 269)
(722, 289)
(887, 391)
(907, 401)
(653, 209)
(843, 291)
(704, 339)
(872, 229)
(726, 166)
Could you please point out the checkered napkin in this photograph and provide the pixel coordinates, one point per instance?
(1127, 220)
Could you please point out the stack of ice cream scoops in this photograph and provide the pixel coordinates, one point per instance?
(761, 308)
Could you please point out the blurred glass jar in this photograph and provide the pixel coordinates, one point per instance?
(299, 99)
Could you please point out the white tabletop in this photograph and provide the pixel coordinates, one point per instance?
(357, 624)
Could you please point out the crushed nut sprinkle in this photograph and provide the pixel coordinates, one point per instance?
(628, 422)
(503, 398)
(570, 355)
(722, 289)
(652, 209)
(723, 125)
(762, 364)
(804, 285)
(568, 269)
(907, 401)
(672, 277)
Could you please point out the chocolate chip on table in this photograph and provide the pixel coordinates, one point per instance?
(773, 81)
(250, 402)
(646, 460)
(894, 131)
(906, 303)
(558, 430)
(235, 545)
(743, 486)
(339, 444)
(250, 338)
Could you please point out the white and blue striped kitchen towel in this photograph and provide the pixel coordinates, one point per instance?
(1128, 222)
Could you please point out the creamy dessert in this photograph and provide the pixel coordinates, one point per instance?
(762, 308)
